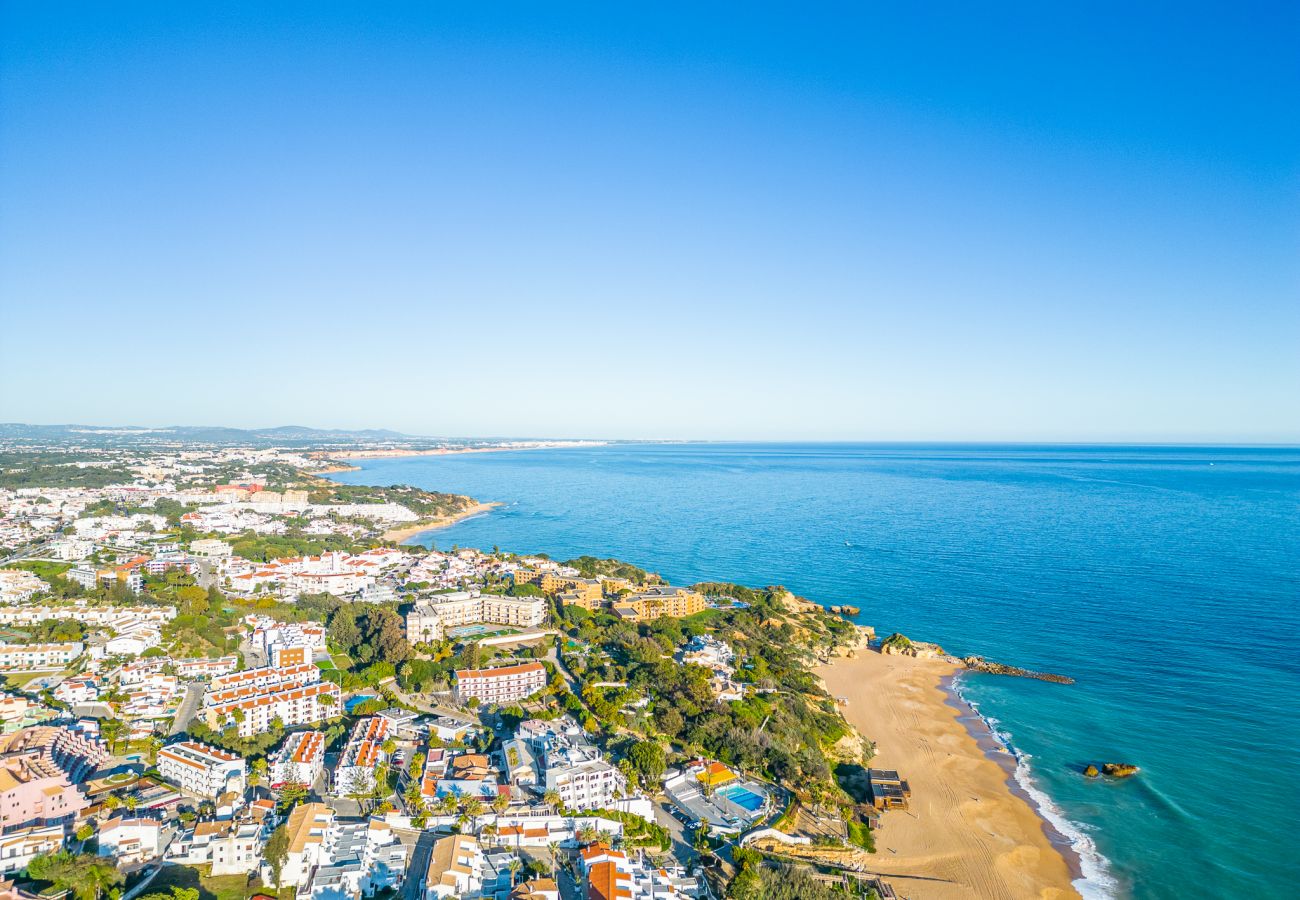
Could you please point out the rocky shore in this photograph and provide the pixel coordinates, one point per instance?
(980, 664)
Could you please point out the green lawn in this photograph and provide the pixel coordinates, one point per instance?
(220, 887)
(41, 568)
(18, 680)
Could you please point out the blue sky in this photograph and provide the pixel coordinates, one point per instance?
(968, 222)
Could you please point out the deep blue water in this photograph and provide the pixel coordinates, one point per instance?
(1165, 580)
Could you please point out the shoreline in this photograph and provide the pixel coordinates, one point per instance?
(443, 451)
(401, 535)
(1088, 867)
(970, 831)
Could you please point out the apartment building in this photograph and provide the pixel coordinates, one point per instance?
(553, 583)
(115, 617)
(74, 750)
(225, 688)
(502, 684)
(39, 656)
(229, 846)
(35, 792)
(211, 548)
(300, 761)
(613, 875)
(307, 828)
(651, 603)
(19, 847)
(206, 668)
(199, 769)
(294, 706)
(583, 778)
(355, 772)
(455, 868)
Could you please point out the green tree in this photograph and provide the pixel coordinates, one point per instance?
(276, 853)
(649, 760)
(85, 876)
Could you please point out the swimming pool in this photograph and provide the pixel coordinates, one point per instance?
(742, 797)
(466, 631)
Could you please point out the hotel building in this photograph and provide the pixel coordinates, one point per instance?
(502, 684)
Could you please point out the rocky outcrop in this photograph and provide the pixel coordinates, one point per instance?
(845, 611)
(901, 645)
(1114, 770)
(980, 664)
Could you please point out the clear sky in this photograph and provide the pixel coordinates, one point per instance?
(1043, 221)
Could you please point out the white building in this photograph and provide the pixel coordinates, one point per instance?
(502, 684)
(303, 705)
(583, 778)
(430, 618)
(20, 847)
(210, 548)
(39, 656)
(300, 761)
(133, 840)
(363, 753)
(206, 668)
(202, 770)
(455, 868)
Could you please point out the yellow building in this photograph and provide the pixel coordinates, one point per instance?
(651, 603)
(580, 600)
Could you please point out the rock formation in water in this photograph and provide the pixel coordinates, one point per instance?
(1114, 770)
(980, 664)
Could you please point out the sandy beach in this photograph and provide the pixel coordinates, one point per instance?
(409, 531)
(967, 835)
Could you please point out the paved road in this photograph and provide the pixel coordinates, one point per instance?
(418, 867)
(189, 706)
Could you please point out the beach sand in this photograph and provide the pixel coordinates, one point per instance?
(407, 532)
(967, 835)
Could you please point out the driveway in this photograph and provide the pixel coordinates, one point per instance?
(418, 867)
(189, 706)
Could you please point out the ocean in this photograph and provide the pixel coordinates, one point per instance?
(1165, 580)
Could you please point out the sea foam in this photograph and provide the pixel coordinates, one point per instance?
(1097, 882)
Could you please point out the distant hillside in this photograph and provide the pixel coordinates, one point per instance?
(283, 435)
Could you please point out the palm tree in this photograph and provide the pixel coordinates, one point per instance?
(130, 801)
(489, 833)
(446, 804)
(553, 848)
(500, 803)
(111, 731)
(552, 799)
(515, 865)
(473, 809)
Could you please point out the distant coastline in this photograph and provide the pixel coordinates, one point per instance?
(401, 452)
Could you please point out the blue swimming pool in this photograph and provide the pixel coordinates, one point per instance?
(742, 797)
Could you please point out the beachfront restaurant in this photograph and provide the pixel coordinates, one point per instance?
(888, 790)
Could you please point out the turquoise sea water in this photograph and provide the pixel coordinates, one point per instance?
(1165, 580)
